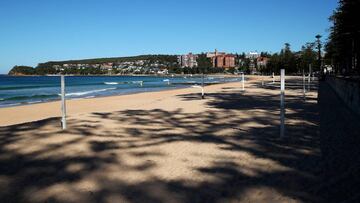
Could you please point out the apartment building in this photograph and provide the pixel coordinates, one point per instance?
(187, 60)
(221, 59)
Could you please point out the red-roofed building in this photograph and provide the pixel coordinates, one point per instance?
(262, 61)
(221, 59)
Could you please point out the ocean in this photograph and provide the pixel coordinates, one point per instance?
(24, 90)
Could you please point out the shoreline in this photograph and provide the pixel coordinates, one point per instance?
(39, 111)
(134, 75)
(87, 97)
(100, 96)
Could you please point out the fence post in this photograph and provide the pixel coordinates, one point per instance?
(282, 103)
(304, 89)
(63, 103)
(202, 87)
(313, 76)
(243, 81)
(202, 93)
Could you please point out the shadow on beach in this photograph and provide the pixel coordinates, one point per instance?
(89, 162)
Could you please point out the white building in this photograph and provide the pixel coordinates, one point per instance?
(252, 55)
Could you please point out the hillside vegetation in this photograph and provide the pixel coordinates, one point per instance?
(96, 65)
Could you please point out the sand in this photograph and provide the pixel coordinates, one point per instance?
(168, 146)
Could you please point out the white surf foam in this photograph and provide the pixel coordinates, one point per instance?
(87, 92)
(13, 104)
(111, 83)
(33, 102)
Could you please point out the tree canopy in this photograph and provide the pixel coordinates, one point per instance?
(342, 47)
(22, 70)
(292, 62)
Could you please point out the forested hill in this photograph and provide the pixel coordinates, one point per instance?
(98, 65)
(151, 58)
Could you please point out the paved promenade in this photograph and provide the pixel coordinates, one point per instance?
(340, 140)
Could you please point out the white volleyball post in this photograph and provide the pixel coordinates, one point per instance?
(282, 103)
(313, 74)
(202, 93)
(202, 90)
(243, 81)
(167, 81)
(63, 103)
(202, 87)
(262, 80)
(273, 77)
(309, 79)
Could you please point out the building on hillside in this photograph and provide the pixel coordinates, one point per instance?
(229, 61)
(213, 54)
(262, 62)
(106, 66)
(188, 60)
(221, 59)
(252, 55)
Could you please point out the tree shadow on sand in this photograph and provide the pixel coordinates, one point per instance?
(26, 176)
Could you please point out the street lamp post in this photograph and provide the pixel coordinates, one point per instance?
(318, 41)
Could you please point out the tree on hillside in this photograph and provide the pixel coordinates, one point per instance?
(22, 70)
(287, 58)
(290, 61)
(274, 64)
(265, 54)
(45, 70)
(318, 46)
(204, 63)
(342, 48)
(307, 56)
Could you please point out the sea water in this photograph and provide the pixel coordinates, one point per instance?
(22, 90)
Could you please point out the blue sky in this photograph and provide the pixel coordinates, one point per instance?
(35, 31)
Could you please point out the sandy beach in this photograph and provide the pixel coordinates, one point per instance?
(168, 146)
(35, 112)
